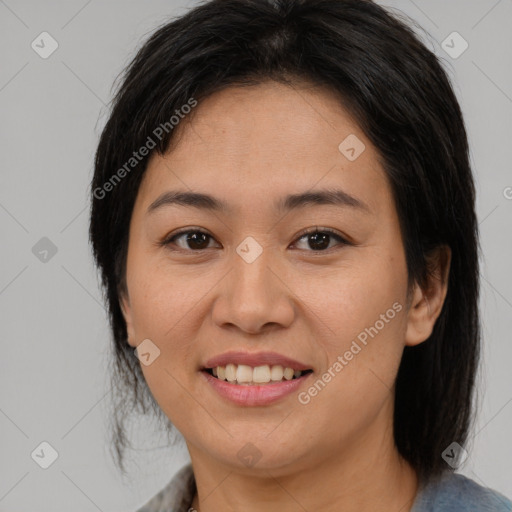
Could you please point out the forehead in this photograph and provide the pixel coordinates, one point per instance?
(261, 142)
(274, 120)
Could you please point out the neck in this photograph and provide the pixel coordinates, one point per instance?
(369, 475)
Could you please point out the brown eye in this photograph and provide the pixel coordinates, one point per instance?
(194, 240)
(319, 239)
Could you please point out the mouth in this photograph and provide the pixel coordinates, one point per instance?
(254, 379)
(246, 375)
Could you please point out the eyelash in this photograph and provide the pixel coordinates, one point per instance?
(169, 240)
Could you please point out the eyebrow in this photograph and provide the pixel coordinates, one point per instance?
(290, 202)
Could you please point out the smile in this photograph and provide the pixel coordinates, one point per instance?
(245, 375)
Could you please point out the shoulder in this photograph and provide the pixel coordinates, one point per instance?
(176, 496)
(453, 492)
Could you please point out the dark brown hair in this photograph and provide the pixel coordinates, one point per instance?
(402, 99)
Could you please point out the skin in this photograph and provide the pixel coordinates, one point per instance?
(249, 147)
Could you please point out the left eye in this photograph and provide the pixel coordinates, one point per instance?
(319, 239)
(197, 240)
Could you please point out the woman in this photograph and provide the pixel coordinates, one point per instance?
(283, 216)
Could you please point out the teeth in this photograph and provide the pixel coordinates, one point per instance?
(288, 373)
(243, 373)
(230, 372)
(276, 373)
(261, 374)
(246, 375)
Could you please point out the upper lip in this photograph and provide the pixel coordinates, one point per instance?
(255, 359)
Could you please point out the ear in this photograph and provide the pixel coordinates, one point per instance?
(124, 303)
(428, 299)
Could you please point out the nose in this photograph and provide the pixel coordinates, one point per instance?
(255, 297)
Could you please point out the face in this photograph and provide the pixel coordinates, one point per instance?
(250, 284)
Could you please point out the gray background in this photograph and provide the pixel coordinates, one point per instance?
(54, 334)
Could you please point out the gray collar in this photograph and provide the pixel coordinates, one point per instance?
(448, 493)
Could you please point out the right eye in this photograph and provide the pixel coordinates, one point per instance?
(194, 241)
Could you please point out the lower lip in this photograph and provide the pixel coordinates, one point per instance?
(254, 395)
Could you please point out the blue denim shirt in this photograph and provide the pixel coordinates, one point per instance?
(450, 493)
(457, 493)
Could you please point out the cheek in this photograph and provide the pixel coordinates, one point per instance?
(363, 352)
(159, 298)
(165, 310)
(345, 301)
(360, 326)
(169, 309)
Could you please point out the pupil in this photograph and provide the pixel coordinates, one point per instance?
(319, 240)
(194, 238)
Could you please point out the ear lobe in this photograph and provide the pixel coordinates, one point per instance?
(428, 300)
(124, 303)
